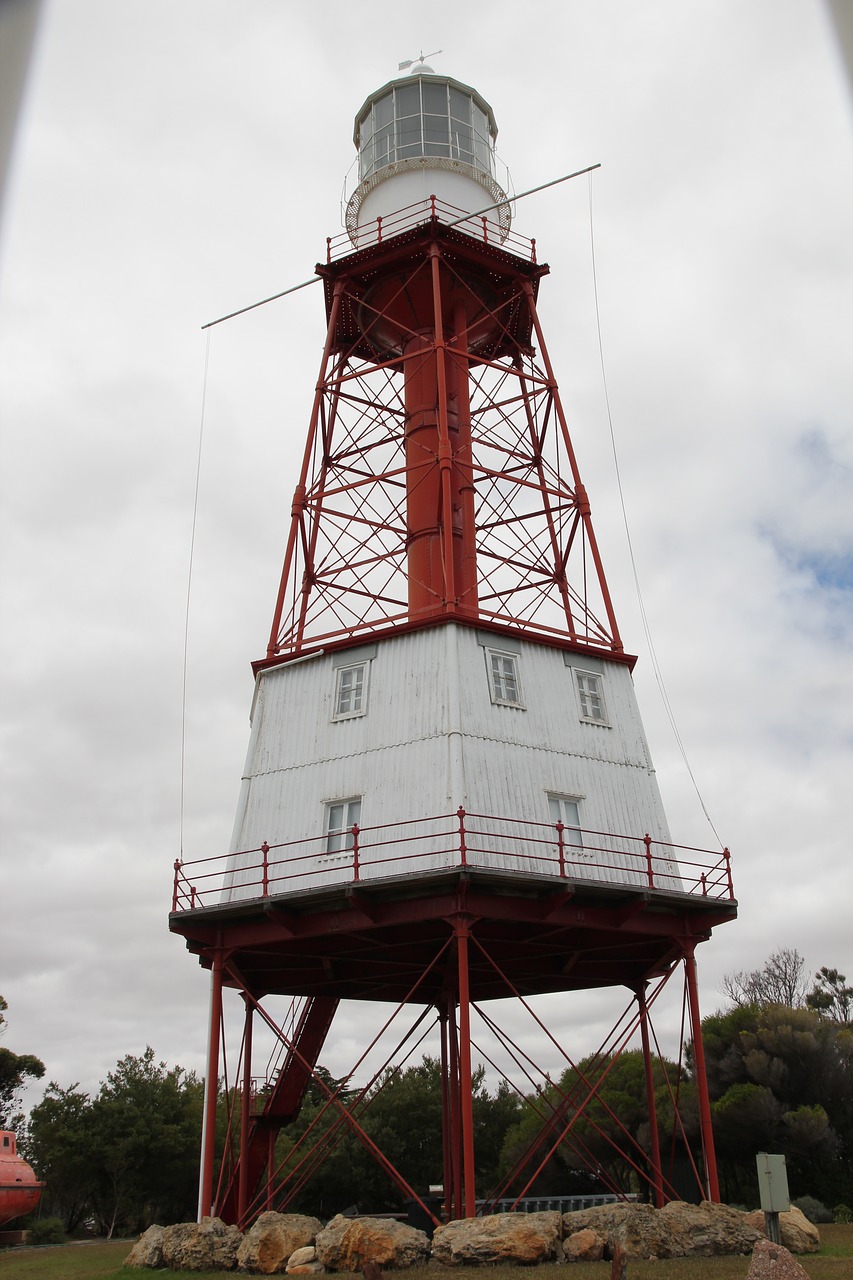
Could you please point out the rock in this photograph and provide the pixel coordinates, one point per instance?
(676, 1231)
(268, 1244)
(635, 1227)
(584, 1246)
(208, 1245)
(303, 1262)
(708, 1230)
(774, 1262)
(798, 1234)
(346, 1244)
(299, 1257)
(524, 1238)
(148, 1250)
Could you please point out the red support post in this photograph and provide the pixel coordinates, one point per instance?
(654, 1140)
(463, 848)
(355, 851)
(705, 1127)
(245, 1113)
(466, 1116)
(265, 849)
(561, 850)
(650, 873)
(445, 1012)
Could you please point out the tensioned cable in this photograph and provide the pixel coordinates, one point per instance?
(294, 288)
(644, 617)
(189, 588)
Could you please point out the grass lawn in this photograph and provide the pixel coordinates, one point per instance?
(103, 1261)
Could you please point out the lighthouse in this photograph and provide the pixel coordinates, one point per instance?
(448, 796)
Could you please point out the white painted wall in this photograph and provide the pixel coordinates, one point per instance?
(431, 740)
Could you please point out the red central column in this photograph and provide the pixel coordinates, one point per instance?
(442, 567)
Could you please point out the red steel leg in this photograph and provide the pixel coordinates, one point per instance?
(713, 1186)
(654, 1141)
(466, 1114)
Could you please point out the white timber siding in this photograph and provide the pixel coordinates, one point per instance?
(431, 740)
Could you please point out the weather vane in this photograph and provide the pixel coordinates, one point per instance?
(422, 57)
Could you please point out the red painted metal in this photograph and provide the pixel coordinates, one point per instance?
(461, 839)
(461, 927)
(20, 1189)
(713, 1186)
(651, 1107)
(439, 479)
(282, 1103)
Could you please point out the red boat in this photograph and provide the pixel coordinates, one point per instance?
(20, 1189)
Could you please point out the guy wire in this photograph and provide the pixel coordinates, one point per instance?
(189, 589)
(643, 616)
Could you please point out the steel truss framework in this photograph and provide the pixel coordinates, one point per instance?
(438, 482)
(461, 942)
(438, 477)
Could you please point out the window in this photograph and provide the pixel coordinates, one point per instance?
(341, 817)
(567, 810)
(351, 691)
(503, 677)
(590, 697)
(424, 117)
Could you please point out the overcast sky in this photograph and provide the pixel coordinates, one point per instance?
(177, 159)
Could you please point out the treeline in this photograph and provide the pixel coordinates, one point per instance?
(780, 1074)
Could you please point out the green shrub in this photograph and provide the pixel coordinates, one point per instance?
(46, 1231)
(842, 1213)
(813, 1209)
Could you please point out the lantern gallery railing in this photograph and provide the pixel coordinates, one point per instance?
(446, 842)
(488, 228)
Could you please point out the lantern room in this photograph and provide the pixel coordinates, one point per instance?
(432, 135)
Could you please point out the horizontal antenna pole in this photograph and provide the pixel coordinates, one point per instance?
(316, 279)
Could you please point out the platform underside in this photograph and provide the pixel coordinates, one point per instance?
(391, 940)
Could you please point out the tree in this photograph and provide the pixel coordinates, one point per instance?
(614, 1121)
(63, 1147)
(830, 997)
(129, 1156)
(780, 980)
(15, 1068)
(781, 1079)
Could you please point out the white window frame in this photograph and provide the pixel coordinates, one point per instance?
(589, 697)
(567, 809)
(338, 842)
(341, 677)
(498, 678)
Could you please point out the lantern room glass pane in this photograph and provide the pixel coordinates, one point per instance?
(435, 98)
(460, 106)
(408, 100)
(424, 118)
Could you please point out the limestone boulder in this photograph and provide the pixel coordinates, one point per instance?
(707, 1230)
(799, 1235)
(520, 1238)
(676, 1231)
(268, 1244)
(346, 1244)
(774, 1262)
(584, 1246)
(636, 1227)
(148, 1250)
(303, 1262)
(208, 1245)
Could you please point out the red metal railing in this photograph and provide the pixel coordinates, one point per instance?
(421, 845)
(478, 226)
